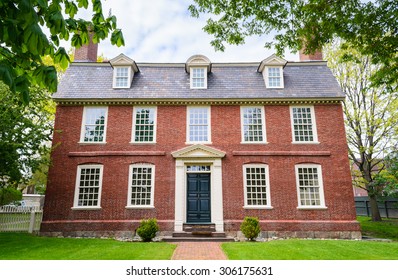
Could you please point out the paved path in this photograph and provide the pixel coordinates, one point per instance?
(198, 251)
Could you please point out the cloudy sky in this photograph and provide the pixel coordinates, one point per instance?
(164, 31)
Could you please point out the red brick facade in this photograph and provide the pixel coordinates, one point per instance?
(281, 156)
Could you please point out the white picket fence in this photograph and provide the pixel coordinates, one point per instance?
(20, 218)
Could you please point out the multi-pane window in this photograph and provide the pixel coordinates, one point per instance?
(274, 77)
(94, 124)
(198, 78)
(198, 124)
(303, 124)
(256, 185)
(141, 185)
(144, 128)
(253, 124)
(121, 79)
(309, 185)
(88, 186)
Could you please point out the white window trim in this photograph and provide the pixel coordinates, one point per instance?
(191, 78)
(266, 76)
(152, 205)
(321, 192)
(83, 126)
(154, 126)
(268, 192)
(208, 126)
(128, 76)
(314, 128)
(77, 187)
(263, 125)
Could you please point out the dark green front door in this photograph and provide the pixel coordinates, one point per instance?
(198, 198)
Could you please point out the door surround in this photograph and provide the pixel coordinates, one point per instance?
(198, 155)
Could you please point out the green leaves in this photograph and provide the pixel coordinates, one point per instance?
(23, 43)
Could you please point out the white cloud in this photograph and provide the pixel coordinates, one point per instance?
(163, 31)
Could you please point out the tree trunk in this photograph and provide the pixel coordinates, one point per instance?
(374, 209)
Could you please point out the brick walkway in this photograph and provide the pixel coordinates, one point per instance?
(198, 251)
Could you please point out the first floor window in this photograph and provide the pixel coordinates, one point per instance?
(144, 128)
(198, 124)
(309, 185)
(141, 185)
(256, 185)
(94, 124)
(303, 124)
(88, 186)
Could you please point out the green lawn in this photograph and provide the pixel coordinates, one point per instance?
(296, 249)
(388, 228)
(20, 246)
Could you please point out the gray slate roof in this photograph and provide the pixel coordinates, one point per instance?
(83, 81)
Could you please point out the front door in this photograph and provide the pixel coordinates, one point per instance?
(198, 198)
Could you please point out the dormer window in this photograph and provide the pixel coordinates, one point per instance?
(198, 67)
(198, 78)
(272, 70)
(121, 77)
(124, 69)
(275, 77)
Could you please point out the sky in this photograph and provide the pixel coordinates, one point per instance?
(164, 31)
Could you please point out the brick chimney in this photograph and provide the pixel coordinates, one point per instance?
(308, 57)
(87, 53)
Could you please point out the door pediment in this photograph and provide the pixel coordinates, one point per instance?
(198, 151)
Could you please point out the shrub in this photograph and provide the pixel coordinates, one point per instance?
(250, 227)
(9, 195)
(147, 229)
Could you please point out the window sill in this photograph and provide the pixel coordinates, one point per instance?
(86, 208)
(193, 143)
(312, 208)
(258, 207)
(91, 143)
(306, 143)
(142, 143)
(140, 207)
(254, 143)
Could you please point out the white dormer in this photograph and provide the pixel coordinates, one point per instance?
(198, 66)
(272, 70)
(124, 69)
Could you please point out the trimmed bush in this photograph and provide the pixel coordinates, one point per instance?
(148, 229)
(250, 227)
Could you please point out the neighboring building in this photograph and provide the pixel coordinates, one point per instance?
(199, 143)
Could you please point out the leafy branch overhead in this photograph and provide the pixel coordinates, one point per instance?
(368, 26)
(23, 41)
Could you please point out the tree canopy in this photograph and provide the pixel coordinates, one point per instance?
(369, 26)
(371, 118)
(23, 40)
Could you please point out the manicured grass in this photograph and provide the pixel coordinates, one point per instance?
(20, 246)
(388, 228)
(295, 249)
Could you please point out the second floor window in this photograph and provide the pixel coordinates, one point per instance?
(144, 125)
(303, 124)
(253, 124)
(198, 124)
(94, 124)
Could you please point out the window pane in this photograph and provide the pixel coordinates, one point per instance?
(302, 125)
(89, 187)
(144, 125)
(94, 127)
(309, 186)
(252, 125)
(256, 186)
(198, 124)
(141, 186)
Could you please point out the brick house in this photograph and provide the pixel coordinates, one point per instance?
(199, 143)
